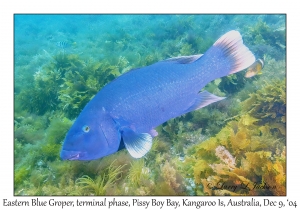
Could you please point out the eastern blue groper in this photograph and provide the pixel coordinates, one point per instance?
(130, 107)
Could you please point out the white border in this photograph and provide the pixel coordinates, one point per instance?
(8, 8)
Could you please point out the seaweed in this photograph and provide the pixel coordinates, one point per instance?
(80, 86)
(43, 92)
(57, 130)
(67, 83)
(169, 175)
(20, 175)
(168, 180)
(186, 49)
(266, 39)
(175, 135)
(232, 83)
(238, 158)
(139, 180)
(269, 103)
(247, 157)
(54, 137)
(137, 172)
(100, 185)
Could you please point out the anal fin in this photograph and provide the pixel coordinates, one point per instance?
(203, 99)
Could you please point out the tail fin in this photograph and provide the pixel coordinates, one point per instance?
(229, 54)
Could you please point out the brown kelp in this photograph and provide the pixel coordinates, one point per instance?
(247, 157)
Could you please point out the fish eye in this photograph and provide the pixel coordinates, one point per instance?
(86, 128)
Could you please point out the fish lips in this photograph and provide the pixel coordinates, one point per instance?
(72, 155)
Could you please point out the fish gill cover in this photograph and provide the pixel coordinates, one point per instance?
(61, 64)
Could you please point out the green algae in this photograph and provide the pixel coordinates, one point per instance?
(100, 185)
(137, 172)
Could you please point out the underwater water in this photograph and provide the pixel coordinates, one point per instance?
(236, 146)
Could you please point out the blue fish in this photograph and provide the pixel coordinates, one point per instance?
(127, 110)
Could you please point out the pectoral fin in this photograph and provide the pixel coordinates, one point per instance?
(203, 99)
(137, 144)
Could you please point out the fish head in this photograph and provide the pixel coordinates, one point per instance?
(92, 136)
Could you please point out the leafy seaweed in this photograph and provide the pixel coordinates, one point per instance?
(248, 151)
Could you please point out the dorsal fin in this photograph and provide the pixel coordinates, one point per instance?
(184, 59)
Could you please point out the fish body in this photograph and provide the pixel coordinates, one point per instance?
(130, 107)
(255, 68)
(63, 44)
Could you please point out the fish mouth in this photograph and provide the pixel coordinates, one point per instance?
(71, 155)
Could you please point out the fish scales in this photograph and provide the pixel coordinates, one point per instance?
(130, 107)
(155, 97)
(166, 90)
